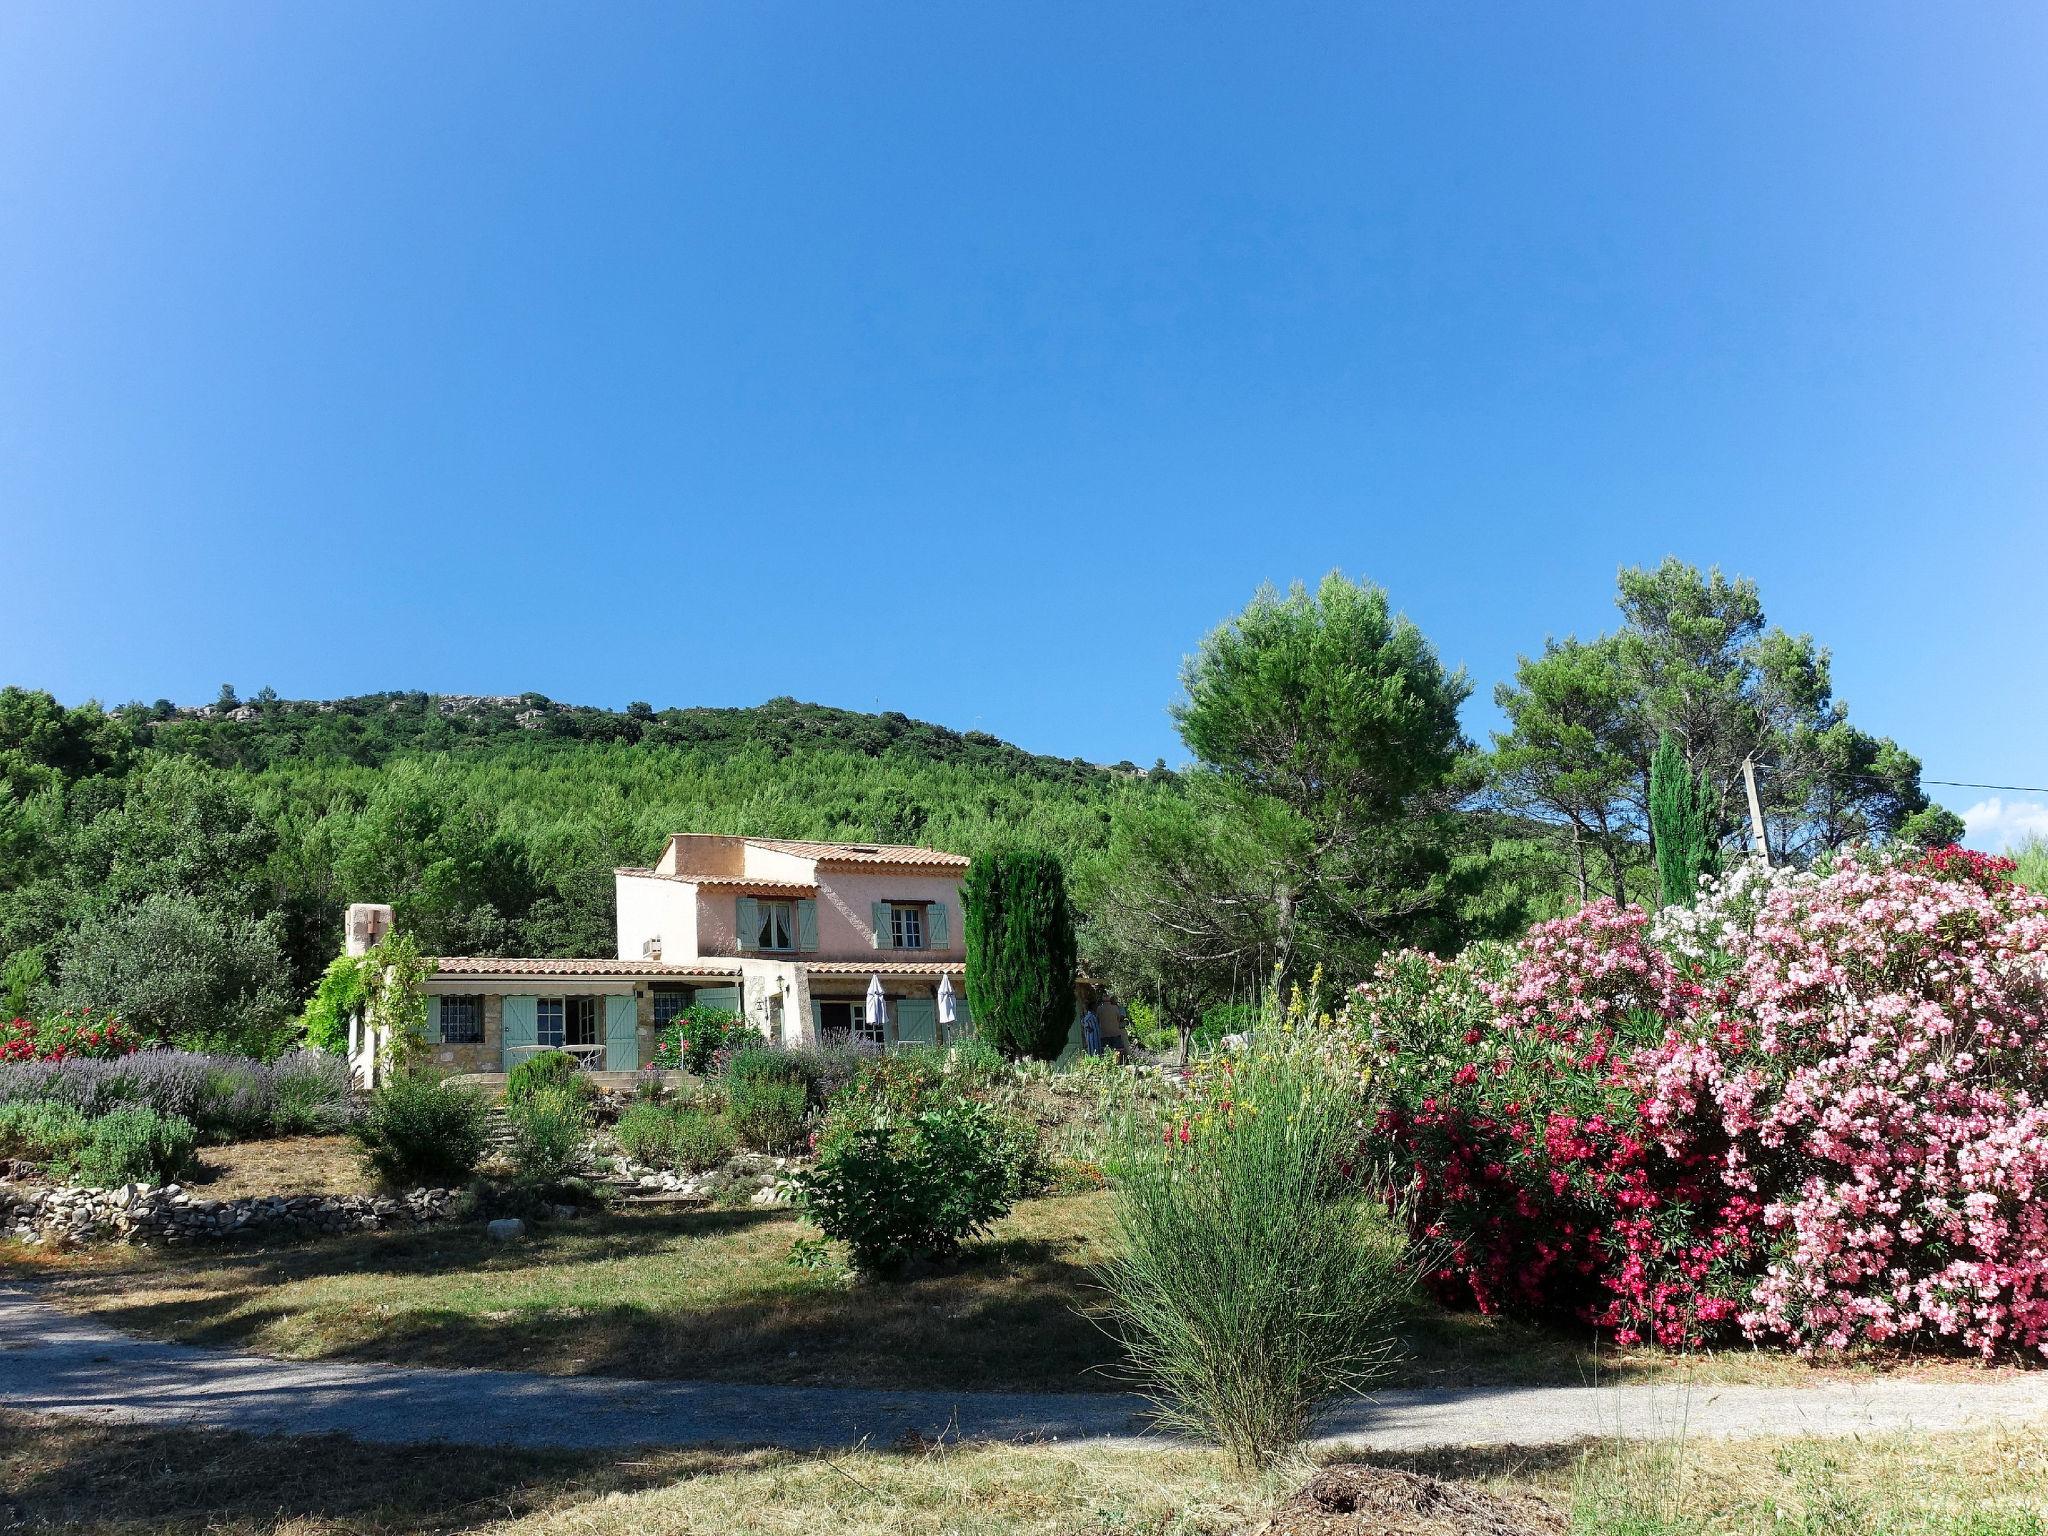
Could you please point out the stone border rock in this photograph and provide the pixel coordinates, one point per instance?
(762, 1180)
(137, 1213)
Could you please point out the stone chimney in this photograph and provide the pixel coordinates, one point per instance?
(363, 925)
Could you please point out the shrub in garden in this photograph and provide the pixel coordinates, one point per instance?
(77, 1033)
(766, 1114)
(900, 1188)
(1875, 1076)
(418, 1129)
(689, 1040)
(550, 1133)
(1814, 1109)
(137, 1146)
(223, 1095)
(234, 1100)
(1253, 1279)
(308, 1093)
(686, 1139)
(40, 1131)
(763, 1063)
(547, 1070)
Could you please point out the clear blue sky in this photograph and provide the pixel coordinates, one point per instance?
(972, 361)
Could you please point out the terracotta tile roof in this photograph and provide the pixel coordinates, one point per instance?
(731, 882)
(502, 965)
(894, 854)
(885, 967)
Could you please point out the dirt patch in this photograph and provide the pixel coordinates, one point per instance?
(1353, 1499)
(289, 1165)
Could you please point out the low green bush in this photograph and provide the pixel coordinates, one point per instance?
(550, 1134)
(418, 1129)
(232, 1103)
(900, 1188)
(767, 1115)
(303, 1098)
(686, 1139)
(40, 1131)
(134, 1146)
(550, 1069)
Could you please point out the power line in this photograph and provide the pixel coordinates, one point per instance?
(2025, 789)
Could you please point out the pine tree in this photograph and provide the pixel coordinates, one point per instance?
(1020, 952)
(1680, 809)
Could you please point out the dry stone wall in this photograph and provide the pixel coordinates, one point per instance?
(138, 1213)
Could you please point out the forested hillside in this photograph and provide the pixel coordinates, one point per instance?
(202, 861)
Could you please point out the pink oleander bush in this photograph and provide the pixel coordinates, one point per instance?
(1810, 1109)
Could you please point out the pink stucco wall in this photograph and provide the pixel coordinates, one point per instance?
(845, 920)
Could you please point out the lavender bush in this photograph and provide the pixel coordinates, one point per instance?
(228, 1098)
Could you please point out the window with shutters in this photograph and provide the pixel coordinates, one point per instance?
(668, 1002)
(562, 1022)
(773, 927)
(462, 1021)
(906, 926)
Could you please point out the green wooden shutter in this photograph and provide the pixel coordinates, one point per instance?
(939, 929)
(433, 1021)
(746, 921)
(727, 998)
(621, 1034)
(880, 913)
(917, 1021)
(519, 1020)
(807, 923)
(817, 1021)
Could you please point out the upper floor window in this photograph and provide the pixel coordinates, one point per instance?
(774, 926)
(462, 1020)
(911, 925)
(906, 926)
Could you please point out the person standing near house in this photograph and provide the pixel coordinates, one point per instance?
(1091, 1032)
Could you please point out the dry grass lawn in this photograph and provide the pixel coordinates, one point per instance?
(291, 1165)
(708, 1294)
(105, 1480)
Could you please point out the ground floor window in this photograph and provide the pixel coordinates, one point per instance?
(580, 1028)
(561, 1023)
(668, 1002)
(846, 1023)
(462, 1021)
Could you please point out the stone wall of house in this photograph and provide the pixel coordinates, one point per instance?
(137, 1213)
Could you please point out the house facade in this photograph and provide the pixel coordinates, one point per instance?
(789, 934)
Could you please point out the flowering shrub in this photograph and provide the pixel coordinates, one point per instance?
(1875, 1073)
(75, 1032)
(690, 1040)
(1813, 1108)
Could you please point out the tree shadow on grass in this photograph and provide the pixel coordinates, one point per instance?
(107, 1478)
(1010, 1316)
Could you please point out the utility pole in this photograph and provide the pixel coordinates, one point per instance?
(1761, 844)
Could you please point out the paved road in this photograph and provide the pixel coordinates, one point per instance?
(53, 1362)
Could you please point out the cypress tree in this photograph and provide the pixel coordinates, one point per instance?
(1679, 819)
(1020, 952)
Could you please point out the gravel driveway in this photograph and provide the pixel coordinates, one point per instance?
(53, 1362)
